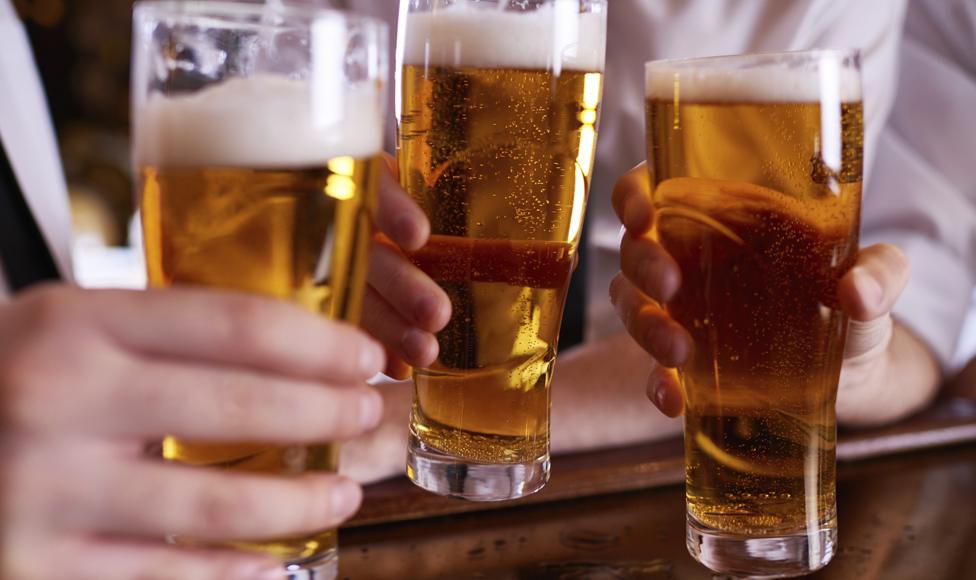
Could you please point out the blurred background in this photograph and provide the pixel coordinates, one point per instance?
(82, 48)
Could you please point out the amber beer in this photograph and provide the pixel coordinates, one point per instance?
(757, 188)
(287, 218)
(496, 144)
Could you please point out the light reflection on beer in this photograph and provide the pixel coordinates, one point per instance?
(592, 89)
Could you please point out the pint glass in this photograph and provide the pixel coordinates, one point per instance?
(756, 167)
(497, 105)
(257, 134)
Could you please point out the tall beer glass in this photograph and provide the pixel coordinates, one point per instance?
(497, 104)
(756, 164)
(257, 132)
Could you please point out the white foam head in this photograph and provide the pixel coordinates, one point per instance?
(258, 122)
(555, 37)
(751, 85)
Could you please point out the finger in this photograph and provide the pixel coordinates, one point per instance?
(239, 330)
(405, 287)
(664, 390)
(397, 215)
(649, 267)
(153, 399)
(870, 289)
(390, 162)
(867, 341)
(632, 200)
(414, 346)
(105, 559)
(649, 324)
(155, 499)
(397, 368)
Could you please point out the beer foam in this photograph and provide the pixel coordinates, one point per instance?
(750, 85)
(555, 36)
(258, 122)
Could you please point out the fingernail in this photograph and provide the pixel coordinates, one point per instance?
(869, 288)
(414, 345)
(370, 409)
(371, 359)
(346, 496)
(660, 397)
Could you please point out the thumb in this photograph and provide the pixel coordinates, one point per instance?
(867, 293)
(867, 340)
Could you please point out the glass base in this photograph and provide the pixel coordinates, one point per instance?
(450, 476)
(764, 557)
(322, 567)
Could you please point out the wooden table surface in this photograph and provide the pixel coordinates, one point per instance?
(905, 515)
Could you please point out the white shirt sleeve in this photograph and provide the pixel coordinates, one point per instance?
(875, 28)
(28, 138)
(923, 195)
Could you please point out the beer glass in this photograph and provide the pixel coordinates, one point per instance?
(756, 168)
(257, 132)
(497, 103)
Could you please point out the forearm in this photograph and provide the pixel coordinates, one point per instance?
(600, 400)
(902, 382)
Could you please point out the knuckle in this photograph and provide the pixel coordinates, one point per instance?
(239, 405)
(252, 408)
(51, 307)
(27, 382)
(251, 322)
(394, 274)
(341, 418)
(219, 509)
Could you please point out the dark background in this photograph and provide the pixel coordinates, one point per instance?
(82, 48)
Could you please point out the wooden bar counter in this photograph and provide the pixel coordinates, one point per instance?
(906, 498)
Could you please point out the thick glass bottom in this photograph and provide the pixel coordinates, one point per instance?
(451, 476)
(324, 566)
(761, 557)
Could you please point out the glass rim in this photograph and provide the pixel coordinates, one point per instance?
(602, 3)
(234, 12)
(757, 59)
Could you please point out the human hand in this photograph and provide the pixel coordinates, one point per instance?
(650, 277)
(88, 378)
(403, 307)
